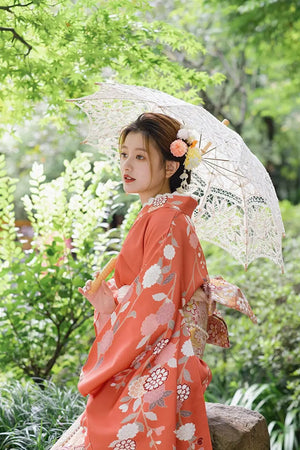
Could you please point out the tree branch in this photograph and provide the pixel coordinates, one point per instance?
(8, 7)
(211, 107)
(18, 38)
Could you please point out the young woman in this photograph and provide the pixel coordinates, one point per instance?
(145, 376)
(144, 382)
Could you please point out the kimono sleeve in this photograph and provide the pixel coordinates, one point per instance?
(170, 273)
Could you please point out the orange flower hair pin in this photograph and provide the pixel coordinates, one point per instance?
(187, 143)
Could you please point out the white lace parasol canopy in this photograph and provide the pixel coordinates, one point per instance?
(237, 204)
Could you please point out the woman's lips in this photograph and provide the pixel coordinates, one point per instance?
(128, 179)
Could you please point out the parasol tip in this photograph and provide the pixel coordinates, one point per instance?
(226, 122)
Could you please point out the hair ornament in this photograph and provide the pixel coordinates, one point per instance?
(178, 148)
(188, 135)
(193, 157)
(187, 143)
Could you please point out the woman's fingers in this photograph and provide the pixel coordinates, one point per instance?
(85, 288)
(88, 284)
(106, 289)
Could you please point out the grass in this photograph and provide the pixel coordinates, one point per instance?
(33, 418)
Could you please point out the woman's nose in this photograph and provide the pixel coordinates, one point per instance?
(127, 163)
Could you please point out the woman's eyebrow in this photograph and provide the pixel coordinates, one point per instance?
(138, 149)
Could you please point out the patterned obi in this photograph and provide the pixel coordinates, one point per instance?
(218, 291)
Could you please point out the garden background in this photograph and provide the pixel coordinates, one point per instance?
(240, 59)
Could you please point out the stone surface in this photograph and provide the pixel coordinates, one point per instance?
(237, 428)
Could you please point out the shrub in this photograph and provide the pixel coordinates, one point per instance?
(43, 318)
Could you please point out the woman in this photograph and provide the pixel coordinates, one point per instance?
(144, 375)
(144, 382)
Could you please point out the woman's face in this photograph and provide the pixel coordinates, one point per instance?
(142, 172)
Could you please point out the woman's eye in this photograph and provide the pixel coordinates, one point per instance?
(140, 157)
(123, 155)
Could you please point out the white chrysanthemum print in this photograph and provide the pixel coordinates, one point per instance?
(183, 392)
(126, 444)
(151, 276)
(160, 345)
(169, 251)
(186, 432)
(156, 379)
(187, 348)
(128, 431)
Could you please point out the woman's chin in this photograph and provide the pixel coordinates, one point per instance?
(128, 189)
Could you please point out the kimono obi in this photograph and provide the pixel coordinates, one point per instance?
(220, 292)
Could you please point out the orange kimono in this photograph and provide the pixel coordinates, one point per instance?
(144, 382)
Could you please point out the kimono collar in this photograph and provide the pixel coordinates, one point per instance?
(182, 202)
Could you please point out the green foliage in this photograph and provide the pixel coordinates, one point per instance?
(43, 316)
(266, 75)
(29, 143)
(8, 247)
(33, 418)
(261, 370)
(57, 50)
(130, 217)
(254, 44)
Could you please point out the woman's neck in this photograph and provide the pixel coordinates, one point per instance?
(145, 199)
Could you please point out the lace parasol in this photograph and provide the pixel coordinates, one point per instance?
(237, 204)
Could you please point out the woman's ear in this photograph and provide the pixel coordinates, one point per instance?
(171, 168)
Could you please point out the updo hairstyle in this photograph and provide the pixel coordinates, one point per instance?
(161, 130)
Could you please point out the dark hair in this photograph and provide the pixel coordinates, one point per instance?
(162, 131)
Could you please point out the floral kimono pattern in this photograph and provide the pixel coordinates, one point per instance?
(144, 382)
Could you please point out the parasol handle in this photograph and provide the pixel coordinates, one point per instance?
(96, 283)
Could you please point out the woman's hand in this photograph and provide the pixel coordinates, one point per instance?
(102, 300)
